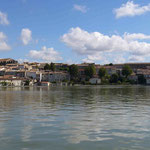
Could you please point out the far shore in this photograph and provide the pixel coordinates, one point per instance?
(75, 85)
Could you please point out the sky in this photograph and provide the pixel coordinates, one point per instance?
(75, 31)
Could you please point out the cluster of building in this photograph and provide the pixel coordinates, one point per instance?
(139, 69)
(13, 73)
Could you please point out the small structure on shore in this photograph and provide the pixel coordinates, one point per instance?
(45, 83)
(95, 81)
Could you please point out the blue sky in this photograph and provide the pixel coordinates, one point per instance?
(75, 31)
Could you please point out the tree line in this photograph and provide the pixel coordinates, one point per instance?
(90, 72)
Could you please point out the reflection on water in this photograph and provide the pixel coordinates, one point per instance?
(88, 117)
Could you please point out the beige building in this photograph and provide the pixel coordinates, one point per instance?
(6, 61)
(11, 81)
(58, 76)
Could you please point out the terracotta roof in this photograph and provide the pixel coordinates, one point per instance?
(7, 59)
(109, 67)
(84, 64)
(143, 71)
(10, 78)
(45, 82)
(146, 63)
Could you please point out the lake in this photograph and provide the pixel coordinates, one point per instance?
(75, 118)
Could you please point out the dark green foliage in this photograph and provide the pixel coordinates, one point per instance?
(27, 82)
(74, 71)
(64, 69)
(47, 67)
(132, 82)
(114, 78)
(126, 70)
(102, 72)
(4, 83)
(90, 71)
(141, 79)
(122, 79)
(52, 67)
(85, 83)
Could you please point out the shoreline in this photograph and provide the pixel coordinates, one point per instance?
(76, 85)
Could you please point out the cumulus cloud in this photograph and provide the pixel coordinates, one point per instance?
(80, 8)
(135, 58)
(45, 54)
(3, 42)
(3, 18)
(20, 60)
(136, 36)
(131, 9)
(119, 59)
(26, 36)
(94, 45)
(93, 58)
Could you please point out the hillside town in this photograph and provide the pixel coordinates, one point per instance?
(13, 73)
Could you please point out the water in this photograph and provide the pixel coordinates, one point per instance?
(75, 118)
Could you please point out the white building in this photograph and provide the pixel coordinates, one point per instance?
(55, 76)
(31, 74)
(58, 76)
(11, 82)
(95, 81)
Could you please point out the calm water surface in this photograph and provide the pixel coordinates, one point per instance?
(75, 118)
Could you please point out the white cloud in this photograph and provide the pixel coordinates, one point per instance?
(83, 42)
(136, 58)
(20, 60)
(131, 9)
(119, 59)
(45, 54)
(136, 36)
(80, 8)
(26, 36)
(3, 42)
(70, 61)
(93, 58)
(96, 45)
(3, 19)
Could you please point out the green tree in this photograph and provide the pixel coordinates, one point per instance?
(47, 67)
(4, 83)
(52, 66)
(74, 71)
(90, 71)
(111, 64)
(27, 82)
(126, 70)
(64, 69)
(102, 72)
(114, 78)
(141, 79)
